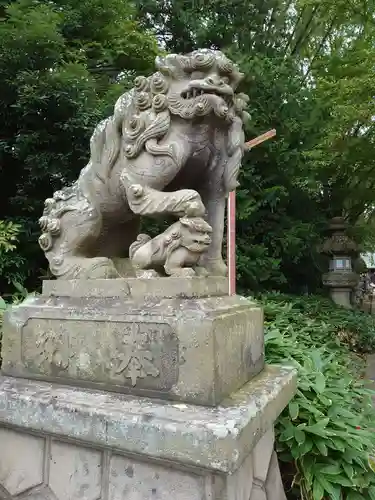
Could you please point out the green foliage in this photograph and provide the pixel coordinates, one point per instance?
(276, 239)
(352, 328)
(8, 236)
(309, 75)
(10, 262)
(327, 429)
(62, 65)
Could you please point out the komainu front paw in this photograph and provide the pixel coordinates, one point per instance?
(180, 272)
(97, 268)
(201, 271)
(215, 267)
(146, 273)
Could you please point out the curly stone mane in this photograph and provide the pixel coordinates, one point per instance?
(143, 115)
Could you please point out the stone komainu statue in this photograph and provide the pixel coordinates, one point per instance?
(173, 146)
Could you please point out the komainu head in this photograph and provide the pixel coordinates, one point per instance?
(196, 85)
(201, 82)
(190, 86)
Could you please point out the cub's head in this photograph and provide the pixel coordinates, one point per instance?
(195, 234)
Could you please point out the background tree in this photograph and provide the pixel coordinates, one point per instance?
(309, 75)
(62, 64)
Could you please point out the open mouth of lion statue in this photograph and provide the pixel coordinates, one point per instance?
(192, 92)
(200, 98)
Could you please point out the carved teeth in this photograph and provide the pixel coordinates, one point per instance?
(193, 93)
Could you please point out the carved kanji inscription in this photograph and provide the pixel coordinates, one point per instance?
(130, 354)
(134, 358)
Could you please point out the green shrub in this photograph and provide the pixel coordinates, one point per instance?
(326, 431)
(352, 328)
(10, 261)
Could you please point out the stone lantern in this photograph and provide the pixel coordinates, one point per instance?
(340, 279)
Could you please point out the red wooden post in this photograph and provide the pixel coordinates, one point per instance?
(231, 242)
(231, 219)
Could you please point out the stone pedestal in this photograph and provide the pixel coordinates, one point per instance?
(341, 297)
(183, 339)
(138, 389)
(341, 286)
